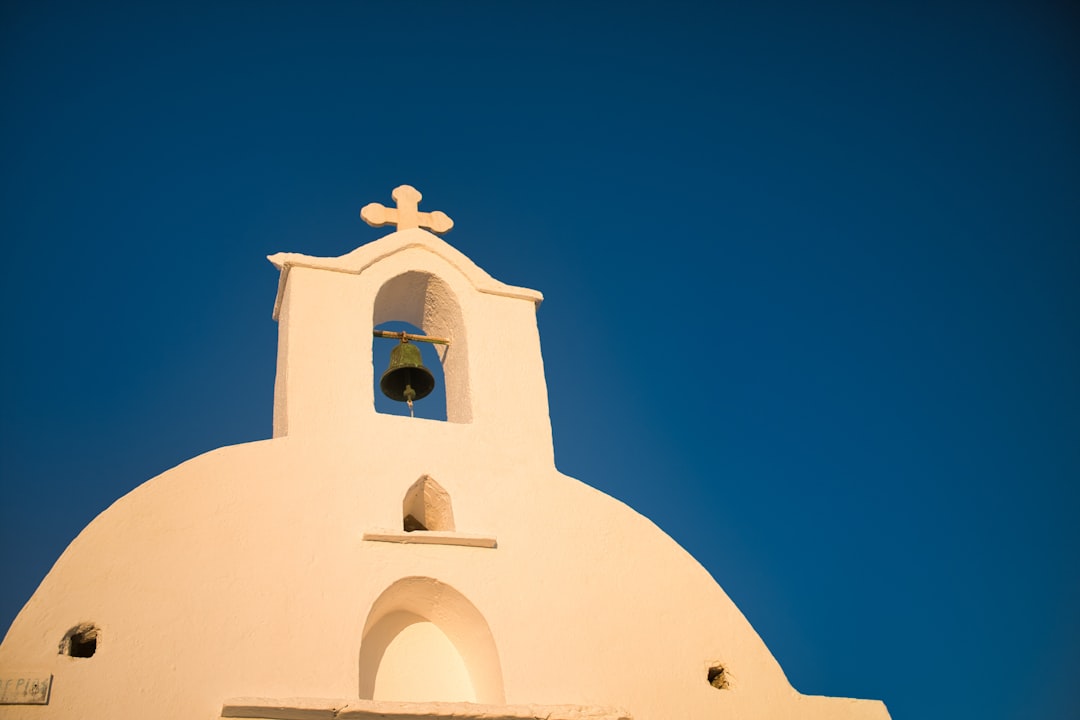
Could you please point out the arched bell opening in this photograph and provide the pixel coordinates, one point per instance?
(424, 641)
(422, 303)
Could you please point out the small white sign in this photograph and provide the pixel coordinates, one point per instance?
(25, 688)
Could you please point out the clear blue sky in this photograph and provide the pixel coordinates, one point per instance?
(848, 384)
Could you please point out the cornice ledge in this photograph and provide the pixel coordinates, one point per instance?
(365, 256)
(339, 709)
(431, 537)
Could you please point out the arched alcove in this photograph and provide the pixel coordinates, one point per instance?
(424, 641)
(419, 662)
(427, 302)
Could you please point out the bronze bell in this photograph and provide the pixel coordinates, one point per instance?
(406, 379)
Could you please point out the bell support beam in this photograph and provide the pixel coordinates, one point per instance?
(409, 336)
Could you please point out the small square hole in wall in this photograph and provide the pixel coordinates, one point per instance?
(432, 407)
(80, 641)
(718, 677)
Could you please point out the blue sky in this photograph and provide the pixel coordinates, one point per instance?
(847, 383)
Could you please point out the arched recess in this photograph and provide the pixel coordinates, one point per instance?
(426, 301)
(403, 629)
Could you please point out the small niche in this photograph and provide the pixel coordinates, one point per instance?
(80, 641)
(427, 507)
(718, 677)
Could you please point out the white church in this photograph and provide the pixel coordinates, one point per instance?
(360, 565)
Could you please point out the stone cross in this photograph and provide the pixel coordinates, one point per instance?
(405, 215)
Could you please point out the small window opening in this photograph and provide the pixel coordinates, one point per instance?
(427, 507)
(432, 407)
(80, 641)
(718, 677)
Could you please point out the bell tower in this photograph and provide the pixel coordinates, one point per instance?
(327, 310)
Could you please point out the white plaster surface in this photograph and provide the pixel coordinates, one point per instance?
(420, 663)
(244, 573)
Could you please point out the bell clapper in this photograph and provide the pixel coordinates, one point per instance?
(409, 394)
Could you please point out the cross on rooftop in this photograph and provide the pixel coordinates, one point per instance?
(405, 215)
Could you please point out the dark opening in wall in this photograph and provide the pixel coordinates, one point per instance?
(411, 524)
(80, 641)
(718, 677)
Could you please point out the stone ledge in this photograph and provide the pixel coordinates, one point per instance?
(431, 537)
(334, 709)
